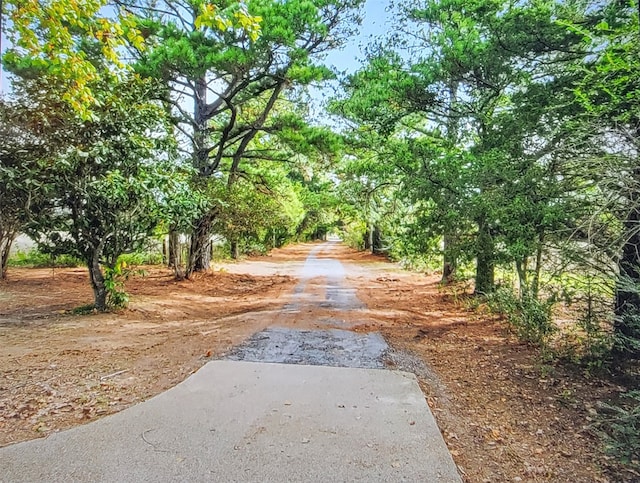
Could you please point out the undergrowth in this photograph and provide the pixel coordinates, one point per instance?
(530, 318)
(619, 428)
(114, 281)
(37, 259)
(142, 258)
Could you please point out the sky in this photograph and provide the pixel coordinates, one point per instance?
(347, 60)
(374, 26)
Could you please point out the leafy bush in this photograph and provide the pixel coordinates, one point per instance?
(419, 263)
(37, 259)
(353, 235)
(619, 427)
(254, 248)
(114, 279)
(221, 252)
(142, 258)
(531, 318)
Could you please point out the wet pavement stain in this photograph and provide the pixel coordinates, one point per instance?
(333, 347)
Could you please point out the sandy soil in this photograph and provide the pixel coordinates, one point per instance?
(504, 416)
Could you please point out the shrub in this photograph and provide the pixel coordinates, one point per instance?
(619, 428)
(37, 259)
(142, 258)
(531, 318)
(114, 279)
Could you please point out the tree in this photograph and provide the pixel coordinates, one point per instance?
(22, 170)
(105, 186)
(51, 37)
(608, 93)
(231, 79)
(471, 115)
(261, 210)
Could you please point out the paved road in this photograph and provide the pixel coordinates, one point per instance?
(322, 290)
(253, 420)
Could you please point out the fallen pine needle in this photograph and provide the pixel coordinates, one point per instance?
(109, 376)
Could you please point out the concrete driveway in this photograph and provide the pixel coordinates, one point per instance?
(236, 421)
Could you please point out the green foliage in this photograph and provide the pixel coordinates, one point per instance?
(146, 257)
(466, 139)
(353, 234)
(259, 211)
(591, 295)
(627, 338)
(619, 428)
(608, 93)
(421, 262)
(530, 318)
(23, 169)
(320, 205)
(103, 188)
(37, 259)
(114, 280)
(50, 40)
(383, 93)
(251, 80)
(255, 78)
(506, 134)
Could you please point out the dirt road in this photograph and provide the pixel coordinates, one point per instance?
(503, 416)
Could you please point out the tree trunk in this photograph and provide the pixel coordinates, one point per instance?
(449, 257)
(521, 269)
(175, 255)
(627, 303)
(366, 240)
(6, 240)
(535, 285)
(97, 281)
(200, 251)
(174, 249)
(485, 263)
(449, 260)
(376, 241)
(200, 149)
(165, 251)
(235, 249)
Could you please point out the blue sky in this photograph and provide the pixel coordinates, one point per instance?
(349, 59)
(374, 26)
